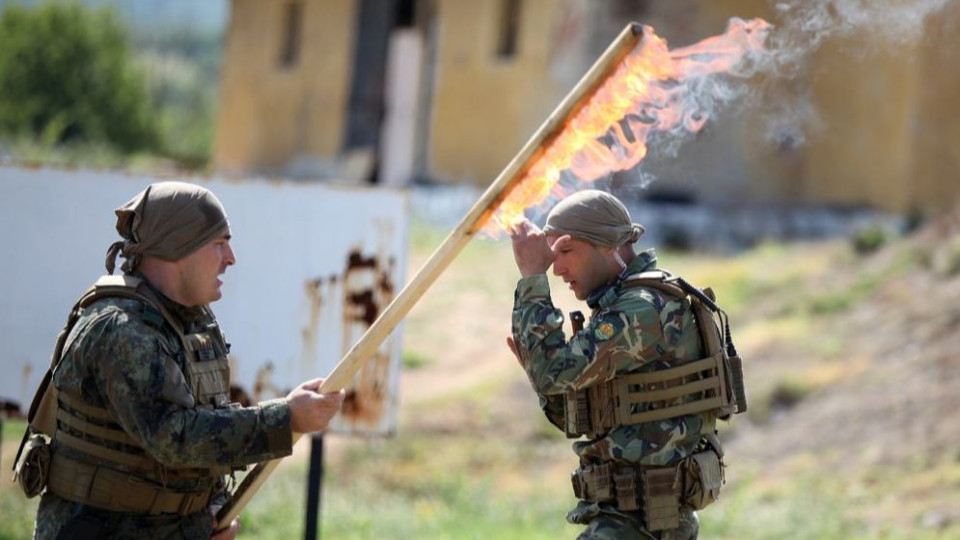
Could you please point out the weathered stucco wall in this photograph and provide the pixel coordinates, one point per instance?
(269, 113)
(485, 107)
(861, 123)
(867, 103)
(935, 170)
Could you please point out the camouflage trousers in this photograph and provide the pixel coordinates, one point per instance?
(606, 523)
(60, 519)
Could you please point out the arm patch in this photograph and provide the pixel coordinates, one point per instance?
(607, 329)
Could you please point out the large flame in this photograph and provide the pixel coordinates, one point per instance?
(650, 91)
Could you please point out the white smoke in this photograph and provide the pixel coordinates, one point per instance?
(800, 28)
(783, 96)
(803, 26)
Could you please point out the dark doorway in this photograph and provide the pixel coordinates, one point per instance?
(376, 19)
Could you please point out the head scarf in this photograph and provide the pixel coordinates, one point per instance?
(168, 220)
(594, 216)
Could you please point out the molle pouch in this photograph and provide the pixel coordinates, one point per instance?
(735, 367)
(34, 466)
(208, 370)
(661, 498)
(210, 382)
(576, 407)
(702, 478)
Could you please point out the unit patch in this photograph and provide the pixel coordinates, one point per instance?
(604, 331)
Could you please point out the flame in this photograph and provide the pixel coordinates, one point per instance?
(650, 91)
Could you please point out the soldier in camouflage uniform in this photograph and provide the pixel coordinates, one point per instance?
(135, 408)
(588, 240)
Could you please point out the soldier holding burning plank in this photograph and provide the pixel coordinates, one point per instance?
(132, 431)
(637, 381)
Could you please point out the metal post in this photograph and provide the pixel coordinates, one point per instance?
(314, 488)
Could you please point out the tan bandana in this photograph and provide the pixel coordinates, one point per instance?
(594, 216)
(168, 220)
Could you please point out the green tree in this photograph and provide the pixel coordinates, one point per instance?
(66, 74)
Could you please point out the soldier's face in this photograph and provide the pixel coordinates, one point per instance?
(583, 266)
(200, 271)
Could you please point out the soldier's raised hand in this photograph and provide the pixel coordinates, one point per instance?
(531, 251)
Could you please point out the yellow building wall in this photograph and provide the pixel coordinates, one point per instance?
(485, 108)
(867, 102)
(270, 114)
(935, 173)
(889, 132)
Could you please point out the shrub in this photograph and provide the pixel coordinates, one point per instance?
(66, 74)
(869, 239)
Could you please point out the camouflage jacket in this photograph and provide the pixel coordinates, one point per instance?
(631, 330)
(121, 359)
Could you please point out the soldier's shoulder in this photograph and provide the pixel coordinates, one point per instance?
(640, 299)
(125, 315)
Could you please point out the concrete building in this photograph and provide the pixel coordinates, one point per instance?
(447, 91)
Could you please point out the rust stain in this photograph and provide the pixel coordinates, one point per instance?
(365, 288)
(263, 386)
(309, 332)
(239, 395)
(368, 289)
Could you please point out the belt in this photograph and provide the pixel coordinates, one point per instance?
(654, 490)
(113, 490)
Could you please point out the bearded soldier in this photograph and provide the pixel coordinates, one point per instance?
(137, 404)
(607, 381)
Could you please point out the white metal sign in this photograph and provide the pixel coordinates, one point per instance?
(315, 266)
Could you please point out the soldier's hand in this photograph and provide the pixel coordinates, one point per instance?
(228, 533)
(311, 411)
(531, 251)
(513, 348)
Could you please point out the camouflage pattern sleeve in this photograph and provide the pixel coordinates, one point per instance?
(142, 383)
(617, 338)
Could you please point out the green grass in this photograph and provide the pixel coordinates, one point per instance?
(16, 511)
(415, 360)
(449, 487)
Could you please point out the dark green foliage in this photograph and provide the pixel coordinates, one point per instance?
(869, 239)
(183, 74)
(66, 75)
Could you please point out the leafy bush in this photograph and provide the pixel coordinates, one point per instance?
(66, 75)
(869, 239)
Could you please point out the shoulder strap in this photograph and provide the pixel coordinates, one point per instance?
(712, 324)
(42, 415)
(129, 287)
(704, 302)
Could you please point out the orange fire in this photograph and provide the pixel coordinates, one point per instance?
(647, 93)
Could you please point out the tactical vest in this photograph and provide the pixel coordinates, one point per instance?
(93, 431)
(711, 384)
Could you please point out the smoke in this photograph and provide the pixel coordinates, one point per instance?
(802, 27)
(784, 98)
(753, 67)
(805, 24)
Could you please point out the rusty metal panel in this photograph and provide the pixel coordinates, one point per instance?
(315, 266)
